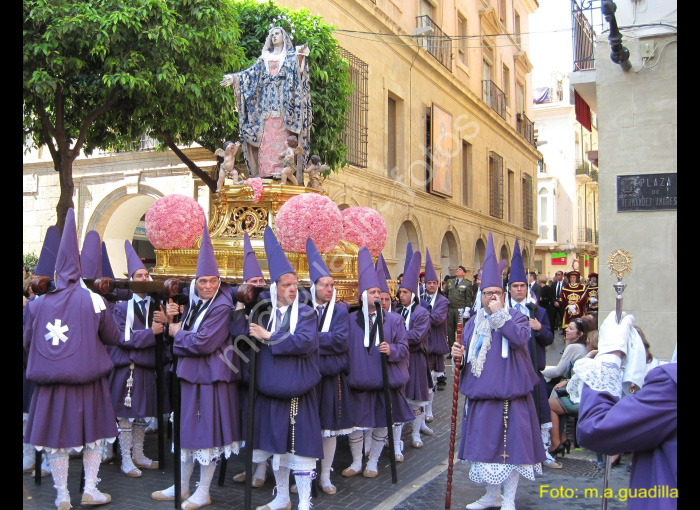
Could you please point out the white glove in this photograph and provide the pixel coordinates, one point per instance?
(636, 362)
(592, 300)
(613, 336)
(461, 313)
(572, 309)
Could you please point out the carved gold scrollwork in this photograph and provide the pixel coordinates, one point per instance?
(246, 219)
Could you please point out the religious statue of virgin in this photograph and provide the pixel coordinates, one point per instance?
(273, 100)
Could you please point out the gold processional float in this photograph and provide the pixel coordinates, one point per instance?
(234, 212)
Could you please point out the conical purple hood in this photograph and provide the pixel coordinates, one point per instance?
(276, 259)
(68, 258)
(47, 260)
(366, 275)
(317, 268)
(430, 273)
(517, 267)
(383, 285)
(409, 254)
(490, 271)
(133, 261)
(382, 263)
(106, 266)
(251, 268)
(206, 263)
(410, 276)
(91, 256)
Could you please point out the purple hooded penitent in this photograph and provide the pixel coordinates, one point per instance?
(381, 262)
(47, 259)
(410, 276)
(65, 336)
(276, 259)
(407, 260)
(490, 271)
(317, 268)
(366, 275)
(517, 268)
(206, 264)
(383, 286)
(133, 261)
(106, 266)
(91, 256)
(251, 268)
(430, 274)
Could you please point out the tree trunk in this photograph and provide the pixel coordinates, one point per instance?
(167, 137)
(64, 167)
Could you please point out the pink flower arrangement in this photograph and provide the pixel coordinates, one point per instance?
(309, 215)
(365, 227)
(257, 185)
(173, 222)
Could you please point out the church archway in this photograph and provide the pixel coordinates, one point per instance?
(407, 233)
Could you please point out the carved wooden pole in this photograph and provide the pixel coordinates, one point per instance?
(453, 425)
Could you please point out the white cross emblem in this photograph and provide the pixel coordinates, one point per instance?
(56, 332)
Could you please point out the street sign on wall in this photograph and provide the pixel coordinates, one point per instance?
(647, 192)
(558, 259)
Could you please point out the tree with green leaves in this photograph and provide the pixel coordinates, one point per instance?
(95, 71)
(98, 75)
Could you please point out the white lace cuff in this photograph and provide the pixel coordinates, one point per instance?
(499, 318)
(599, 375)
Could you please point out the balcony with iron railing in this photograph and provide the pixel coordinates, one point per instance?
(587, 235)
(494, 97)
(586, 169)
(526, 128)
(583, 35)
(438, 43)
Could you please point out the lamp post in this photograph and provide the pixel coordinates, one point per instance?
(620, 54)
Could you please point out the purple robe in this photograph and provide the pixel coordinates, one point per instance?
(645, 423)
(511, 379)
(27, 385)
(437, 338)
(417, 334)
(335, 401)
(543, 338)
(274, 431)
(210, 415)
(140, 350)
(365, 378)
(71, 405)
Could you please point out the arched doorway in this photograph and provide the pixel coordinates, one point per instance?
(407, 234)
(479, 254)
(449, 255)
(120, 217)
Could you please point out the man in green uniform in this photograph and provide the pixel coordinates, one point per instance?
(459, 293)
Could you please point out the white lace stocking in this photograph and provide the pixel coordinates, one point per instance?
(303, 480)
(59, 471)
(368, 441)
(429, 405)
(378, 436)
(282, 488)
(186, 468)
(91, 463)
(126, 442)
(510, 486)
(355, 440)
(398, 444)
(206, 474)
(329, 445)
(139, 433)
(260, 470)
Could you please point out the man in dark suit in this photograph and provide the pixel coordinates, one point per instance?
(556, 312)
(533, 285)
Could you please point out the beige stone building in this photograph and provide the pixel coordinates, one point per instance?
(638, 162)
(440, 135)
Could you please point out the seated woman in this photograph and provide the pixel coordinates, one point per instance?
(561, 405)
(575, 337)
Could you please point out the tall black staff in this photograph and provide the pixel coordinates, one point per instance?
(387, 397)
(532, 308)
(159, 389)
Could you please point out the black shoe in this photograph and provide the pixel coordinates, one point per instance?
(441, 383)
